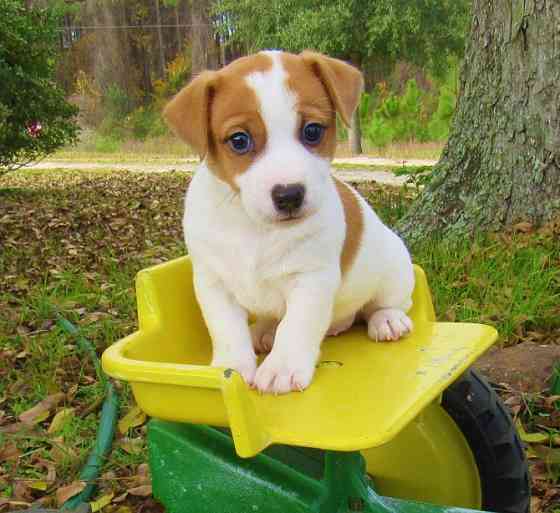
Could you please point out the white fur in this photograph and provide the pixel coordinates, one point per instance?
(287, 274)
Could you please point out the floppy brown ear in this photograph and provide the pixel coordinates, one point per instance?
(187, 112)
(344, 82)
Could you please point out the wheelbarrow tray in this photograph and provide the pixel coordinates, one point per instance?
(363, 393)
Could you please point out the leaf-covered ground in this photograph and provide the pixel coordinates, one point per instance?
(72, 242)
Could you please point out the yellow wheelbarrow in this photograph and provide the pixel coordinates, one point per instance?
(400, 427)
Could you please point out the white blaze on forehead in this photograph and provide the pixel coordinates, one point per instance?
(277, 102)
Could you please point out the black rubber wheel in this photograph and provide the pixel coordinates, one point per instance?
(489, 430)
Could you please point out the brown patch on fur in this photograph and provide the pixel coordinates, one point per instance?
(354, 224)
(214, 106)
(343, 82)
(314, 105)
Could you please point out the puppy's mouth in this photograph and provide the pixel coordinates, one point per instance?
(290, 217)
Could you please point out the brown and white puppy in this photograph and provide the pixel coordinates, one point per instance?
(270, 232)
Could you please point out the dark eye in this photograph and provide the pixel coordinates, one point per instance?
(312, 133)
(240, 142)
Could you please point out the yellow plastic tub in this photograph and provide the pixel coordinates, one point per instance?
(363, 394)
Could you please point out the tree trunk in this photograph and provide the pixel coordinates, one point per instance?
(200, 35)
(160, 40)
(355, 134)
(501, 165)
(178, 35)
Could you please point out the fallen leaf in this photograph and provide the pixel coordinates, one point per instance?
(120, 498)
(37, 485)
(100, 503)
(41, 410)
(66, 492)
(60, 419)
(9, 451)
(523, 227)
(141, 491)
(531, 438)
(22, 492)
(135, 417)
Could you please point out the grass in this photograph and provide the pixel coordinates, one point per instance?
(72, 241)
(169, 149)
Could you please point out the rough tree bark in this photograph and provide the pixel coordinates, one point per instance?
(355, 134)
(200, 35)
(501, 165)
(160, 40)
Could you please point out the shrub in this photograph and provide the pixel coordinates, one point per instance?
(146, 122)
(35, 118)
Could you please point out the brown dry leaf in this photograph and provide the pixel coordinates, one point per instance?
(60, 419)
(9, 451)
(22, 492)
(120, 498)
(535, 505)
(523, 227)
(61, 452)
(66, 492)
(38, 412)
(135, 417)
(143, 472)
(141, 491)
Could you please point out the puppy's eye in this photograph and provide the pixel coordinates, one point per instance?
(312, 133)
(240, 142)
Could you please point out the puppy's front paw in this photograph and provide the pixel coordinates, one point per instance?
(247, 367)
(280, 375)
(388, 324)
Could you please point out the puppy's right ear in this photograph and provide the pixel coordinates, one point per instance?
(187, 113)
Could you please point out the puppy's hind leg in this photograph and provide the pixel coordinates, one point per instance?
(386, 314)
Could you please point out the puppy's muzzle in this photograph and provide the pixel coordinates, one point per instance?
(288, 199)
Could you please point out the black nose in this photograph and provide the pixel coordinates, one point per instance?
(288, 198)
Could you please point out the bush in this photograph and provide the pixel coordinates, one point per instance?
(415, 115)
(398, 118)
(146, 123)
(35, 118)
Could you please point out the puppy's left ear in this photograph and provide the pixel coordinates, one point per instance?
(344, 82)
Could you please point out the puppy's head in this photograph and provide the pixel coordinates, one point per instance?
(266, 126)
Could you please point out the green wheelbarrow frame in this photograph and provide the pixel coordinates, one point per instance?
(195, 469)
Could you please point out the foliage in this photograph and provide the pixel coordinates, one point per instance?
(177, 73)
(425, 32)
(388, 117)
(35, 119)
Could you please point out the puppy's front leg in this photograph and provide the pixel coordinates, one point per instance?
(228, 325)
(291, 363)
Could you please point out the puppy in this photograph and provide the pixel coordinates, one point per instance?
(270, 232)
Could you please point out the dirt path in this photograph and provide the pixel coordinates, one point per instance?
(358, 174)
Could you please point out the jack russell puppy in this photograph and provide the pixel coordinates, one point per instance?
(270, 232)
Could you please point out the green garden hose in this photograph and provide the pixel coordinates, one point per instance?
(105, 431)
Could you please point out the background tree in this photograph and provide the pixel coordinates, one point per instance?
(35, 119)
(371, 35)
(501, 165)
